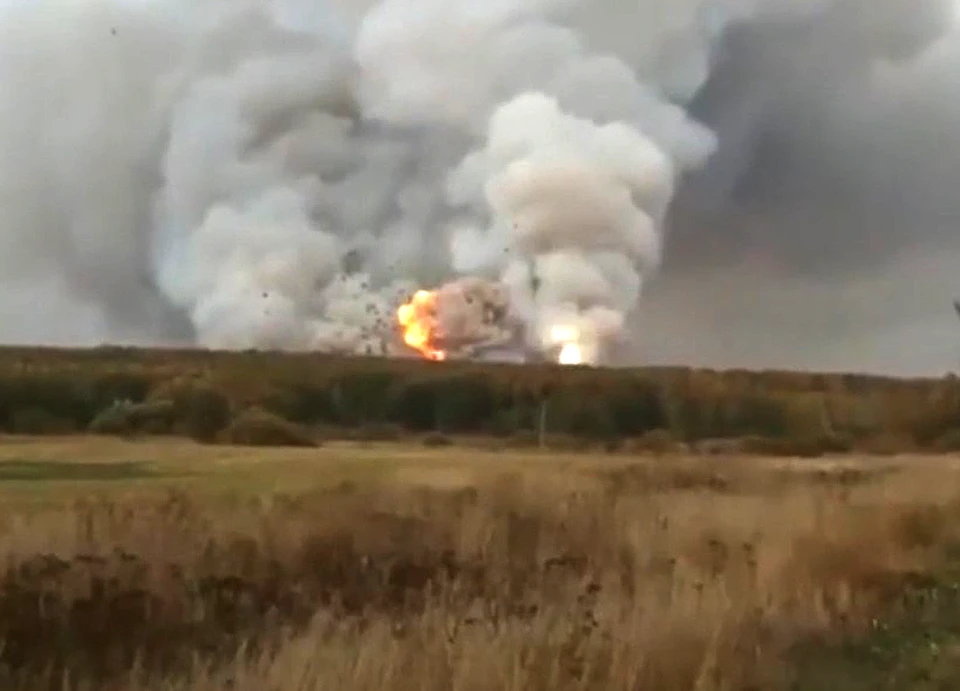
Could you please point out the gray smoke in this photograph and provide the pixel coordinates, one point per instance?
(824, 230)
(284, 174)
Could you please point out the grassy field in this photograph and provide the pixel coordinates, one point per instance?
(176, 566)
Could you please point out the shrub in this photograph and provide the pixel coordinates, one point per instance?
(887, 444)
(59, 394)
(803, 447)
(34, 420)
(836, 443)
(949, 442)
(114, 419)
(718, 447)
(614, 444)
(766, 446)
(201, 412)
(258, 427)
(124, 417)
(524, 439)
(377, 431)
(656, 441)
(503, 424)
(568, 442)
(436, 440)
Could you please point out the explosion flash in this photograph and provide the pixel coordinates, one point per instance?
(470, 318)
(567, 337)
(417, 320)
(570, 354)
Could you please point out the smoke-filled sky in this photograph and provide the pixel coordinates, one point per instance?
(734, 183)
(826, 230)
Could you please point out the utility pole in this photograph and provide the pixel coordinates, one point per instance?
(956, 306)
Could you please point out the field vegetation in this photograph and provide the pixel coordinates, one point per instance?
(253, 398)
(171, 565)
(182, 521)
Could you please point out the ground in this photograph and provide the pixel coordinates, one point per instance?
(393, 566)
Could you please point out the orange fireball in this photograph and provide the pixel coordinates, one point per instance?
(417, 320)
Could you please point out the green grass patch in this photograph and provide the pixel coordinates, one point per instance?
(915, 649)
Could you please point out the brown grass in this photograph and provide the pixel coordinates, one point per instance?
(451, 570)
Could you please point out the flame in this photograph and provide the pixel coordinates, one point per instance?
(570, 354)
(568, 338)
(416, 318)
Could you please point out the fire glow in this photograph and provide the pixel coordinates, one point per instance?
(570, 354)
(465, 319)
(417, 318)
(568, 338)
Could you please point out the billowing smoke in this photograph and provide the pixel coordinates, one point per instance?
(576, 210)
(257, 174)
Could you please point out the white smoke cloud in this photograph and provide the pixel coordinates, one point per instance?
(576, 207)
(212, 164)
(282, 173)
(565, 201)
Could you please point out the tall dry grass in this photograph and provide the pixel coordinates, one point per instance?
(672, 575)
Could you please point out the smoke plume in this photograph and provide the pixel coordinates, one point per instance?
(283, 174)
(823, 232)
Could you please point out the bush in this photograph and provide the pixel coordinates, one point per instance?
(377, 431)
(437, 440)
(33, 420)
(949, 442)
(524, 439)
(836, 443)
(112, 420)
(887, 444)
(812, 447)
(124, 418)
(57, 394)
(614, 445)
(755, 445)
(568, 443)
(656, 441)
(258, 427)
(201, 412)
(718, 447)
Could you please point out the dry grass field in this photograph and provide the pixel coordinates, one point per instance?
(166, 565)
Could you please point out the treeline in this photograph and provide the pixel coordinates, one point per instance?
(299, 398)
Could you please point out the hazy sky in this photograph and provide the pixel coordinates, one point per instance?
(825, 232)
